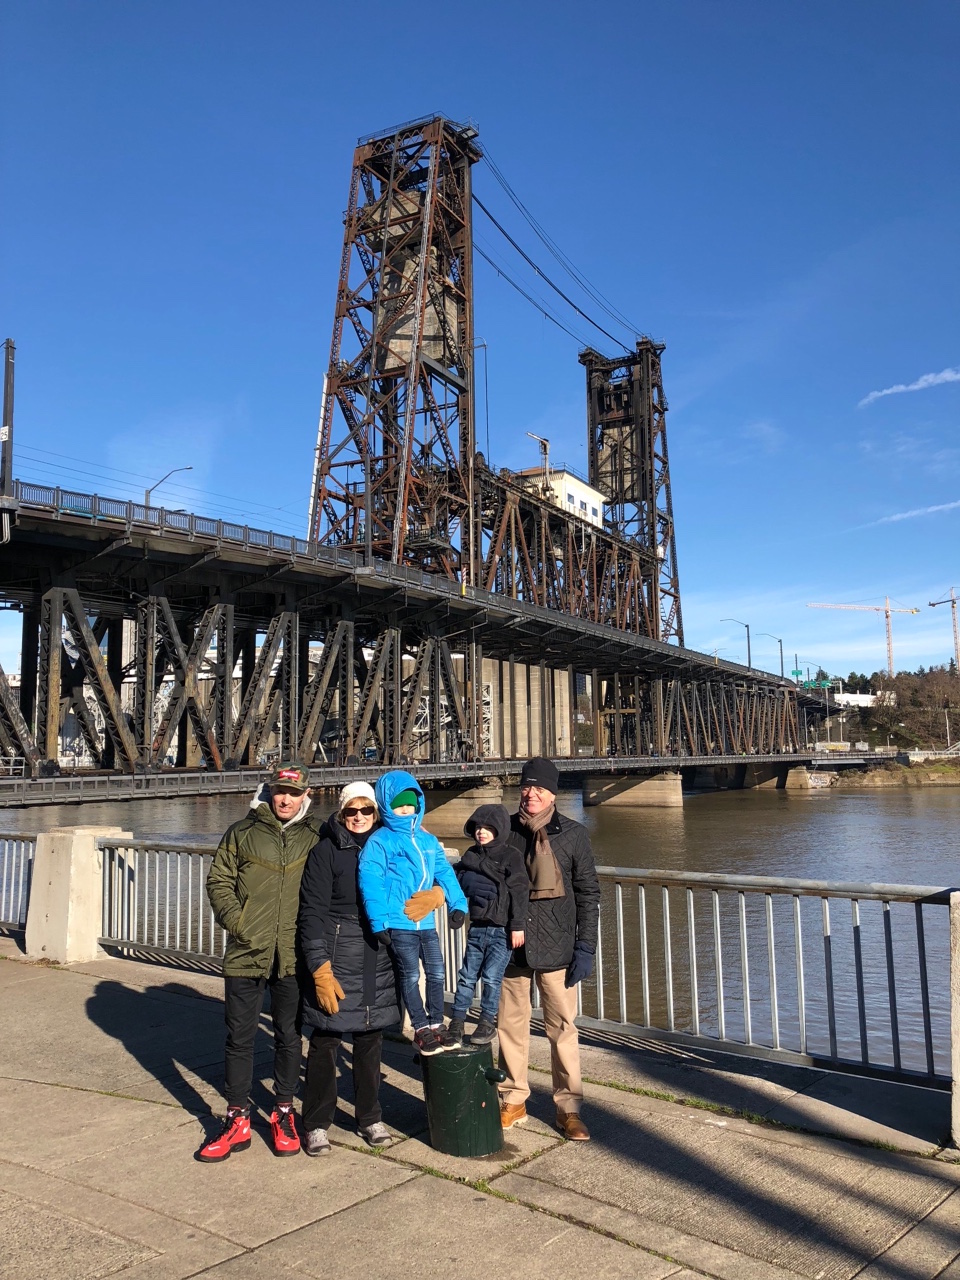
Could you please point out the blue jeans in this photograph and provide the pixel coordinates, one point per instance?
(486, 957)
(410, 946)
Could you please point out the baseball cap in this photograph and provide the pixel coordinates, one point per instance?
(291, 775)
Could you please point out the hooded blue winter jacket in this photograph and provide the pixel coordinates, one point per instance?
(400, 858)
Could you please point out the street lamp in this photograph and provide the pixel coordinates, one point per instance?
(780, 643)
(147, 493)
(742, 624)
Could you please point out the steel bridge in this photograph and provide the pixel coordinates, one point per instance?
(437, 612)
(136, 619)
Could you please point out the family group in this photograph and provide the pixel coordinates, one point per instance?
(337, 918)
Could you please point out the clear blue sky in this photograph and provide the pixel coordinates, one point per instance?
(772, 189)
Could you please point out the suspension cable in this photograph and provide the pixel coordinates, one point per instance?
(543, 276)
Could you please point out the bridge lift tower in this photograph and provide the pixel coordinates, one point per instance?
(397, 477)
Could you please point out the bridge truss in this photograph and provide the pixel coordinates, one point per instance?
(168, 638)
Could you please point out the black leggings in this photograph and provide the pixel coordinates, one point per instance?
(320, 1090)
(243, 1000)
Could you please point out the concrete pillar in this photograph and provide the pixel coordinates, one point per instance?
(636, 791)
(770, 777)
(65, 914)
(448, 808)
(798, 778)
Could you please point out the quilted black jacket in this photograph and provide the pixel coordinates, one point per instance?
(333, 926)
(555, 924)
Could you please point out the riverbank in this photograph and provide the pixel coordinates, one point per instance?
(693, 1169)
(933, 773)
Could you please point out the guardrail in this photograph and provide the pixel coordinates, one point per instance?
(155, 902)
(756, 965)
(847, 976)
(16, 869)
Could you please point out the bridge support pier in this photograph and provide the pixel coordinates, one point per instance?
(650, 791)
(770, 777)
(449, 808)
(798, 778)
(65, 914)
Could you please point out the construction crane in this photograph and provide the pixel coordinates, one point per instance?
(873, 608)
(951, 600)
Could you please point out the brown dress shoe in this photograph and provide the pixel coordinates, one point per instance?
(572, 1127)
(511, 1114)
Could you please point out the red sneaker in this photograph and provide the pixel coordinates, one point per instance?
(234, 1136)
(283, 1127)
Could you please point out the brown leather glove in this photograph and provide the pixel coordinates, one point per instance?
(423, 902)
(329, 990)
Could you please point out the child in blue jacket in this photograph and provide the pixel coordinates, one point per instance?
(404, 876)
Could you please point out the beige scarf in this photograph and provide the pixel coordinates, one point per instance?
(546, 880)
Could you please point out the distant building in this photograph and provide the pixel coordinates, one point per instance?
(567, 491)
(854, 699)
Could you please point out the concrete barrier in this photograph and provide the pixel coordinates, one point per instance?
(66, 894)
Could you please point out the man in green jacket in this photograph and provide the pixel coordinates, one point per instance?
(254, 890)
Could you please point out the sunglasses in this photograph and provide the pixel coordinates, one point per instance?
(365, 812)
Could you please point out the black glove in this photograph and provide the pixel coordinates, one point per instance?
(384, 937)
(456, 919)
(580, 967)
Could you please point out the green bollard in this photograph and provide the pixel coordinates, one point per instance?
(463, 1107)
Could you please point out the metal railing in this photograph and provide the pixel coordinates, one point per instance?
(155, 901)
(845, 976)
(842, 976)
(16, 871)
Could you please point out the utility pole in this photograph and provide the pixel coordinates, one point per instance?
(8, 502)
(951, 600)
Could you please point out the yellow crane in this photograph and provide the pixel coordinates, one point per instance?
(873, 608)
(951, 600)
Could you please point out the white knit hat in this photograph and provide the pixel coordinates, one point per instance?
(354, 791)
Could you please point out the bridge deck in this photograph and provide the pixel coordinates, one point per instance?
(78, 788)
(116, 551)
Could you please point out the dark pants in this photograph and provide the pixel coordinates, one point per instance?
(243, 1001)
(410, 946)
(320, 1089)
(486, 957)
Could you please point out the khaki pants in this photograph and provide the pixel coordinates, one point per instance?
(559, 1005)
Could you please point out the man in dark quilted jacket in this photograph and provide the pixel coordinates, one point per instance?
(560, 940)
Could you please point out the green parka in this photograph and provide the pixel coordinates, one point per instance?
(254, 888)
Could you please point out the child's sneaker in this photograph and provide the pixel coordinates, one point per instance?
(447, 1037)
(283, 1129)
(456, 1029)
(485, 1030)
(427, 1041)
(234, 1136)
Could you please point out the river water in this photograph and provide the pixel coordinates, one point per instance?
(907, 836)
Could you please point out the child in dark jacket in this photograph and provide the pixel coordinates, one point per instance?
(497, 887)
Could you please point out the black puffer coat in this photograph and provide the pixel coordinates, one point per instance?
(332, 926)
(555, 924)
(493, 876)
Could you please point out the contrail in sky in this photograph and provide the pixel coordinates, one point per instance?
(921, 384)
(910, 515)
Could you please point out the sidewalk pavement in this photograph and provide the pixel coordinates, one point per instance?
(109, 1072)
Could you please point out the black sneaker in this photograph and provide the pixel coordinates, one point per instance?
(427, 1041)
(486, 1029)
(448, 1037)
(456, 1029)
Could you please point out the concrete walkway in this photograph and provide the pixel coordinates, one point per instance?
(109, 1072)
